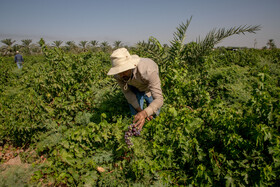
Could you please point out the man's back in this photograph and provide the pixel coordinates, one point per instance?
(18, 58)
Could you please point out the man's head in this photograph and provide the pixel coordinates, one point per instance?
(125, 75)
(17, 52)
(122, 62)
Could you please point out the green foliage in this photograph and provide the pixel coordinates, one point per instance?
(215, 36)
(219, 125)
(15, 176)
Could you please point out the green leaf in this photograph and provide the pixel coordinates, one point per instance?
(173, 111)
(67, 157)
(229, 181)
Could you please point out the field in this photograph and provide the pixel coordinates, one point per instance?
(219, 125)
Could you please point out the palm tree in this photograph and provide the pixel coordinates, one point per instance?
(26, 45)
(42, 43)
(83, 44)
(105, 46)
(57, 43)
(94, 44)
(16, 47)
(189, 55)
(8, 48)
(117, 44)
(271, 44)
(70, 45)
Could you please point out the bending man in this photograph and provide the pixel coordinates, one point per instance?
(139, 81)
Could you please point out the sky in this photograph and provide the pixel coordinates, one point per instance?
(132, 21)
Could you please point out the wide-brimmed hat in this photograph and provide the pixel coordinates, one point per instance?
(122, 61)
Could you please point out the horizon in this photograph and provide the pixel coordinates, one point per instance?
(133, 21)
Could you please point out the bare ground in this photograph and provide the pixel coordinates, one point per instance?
(13, 172)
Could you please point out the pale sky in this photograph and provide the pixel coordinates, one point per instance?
(131, 21)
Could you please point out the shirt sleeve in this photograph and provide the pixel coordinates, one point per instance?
(129, 95)
(155, 88)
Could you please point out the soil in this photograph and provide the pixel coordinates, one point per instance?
(13, 172)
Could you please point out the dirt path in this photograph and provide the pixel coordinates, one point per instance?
(13, 172)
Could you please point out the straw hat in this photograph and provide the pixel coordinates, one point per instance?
(122, 61)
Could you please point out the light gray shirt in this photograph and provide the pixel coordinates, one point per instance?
(145, 79)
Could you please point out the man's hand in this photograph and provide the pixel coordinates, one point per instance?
(139, 119)
(150, 118)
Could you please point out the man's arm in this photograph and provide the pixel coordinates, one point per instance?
(155, 88)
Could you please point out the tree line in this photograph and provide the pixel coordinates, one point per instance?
(28, 48)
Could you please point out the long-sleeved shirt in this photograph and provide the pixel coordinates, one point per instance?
(18, 58)
(146, 79)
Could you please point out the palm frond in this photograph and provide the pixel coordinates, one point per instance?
(177, 44)
(216, 36)
(180, 34)
(151, 49)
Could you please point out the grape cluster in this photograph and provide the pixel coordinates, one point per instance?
(132, 131)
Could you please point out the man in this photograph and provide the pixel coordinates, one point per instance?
(18, 60)
(139, 81)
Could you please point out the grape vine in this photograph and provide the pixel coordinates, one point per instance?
(132, 131)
